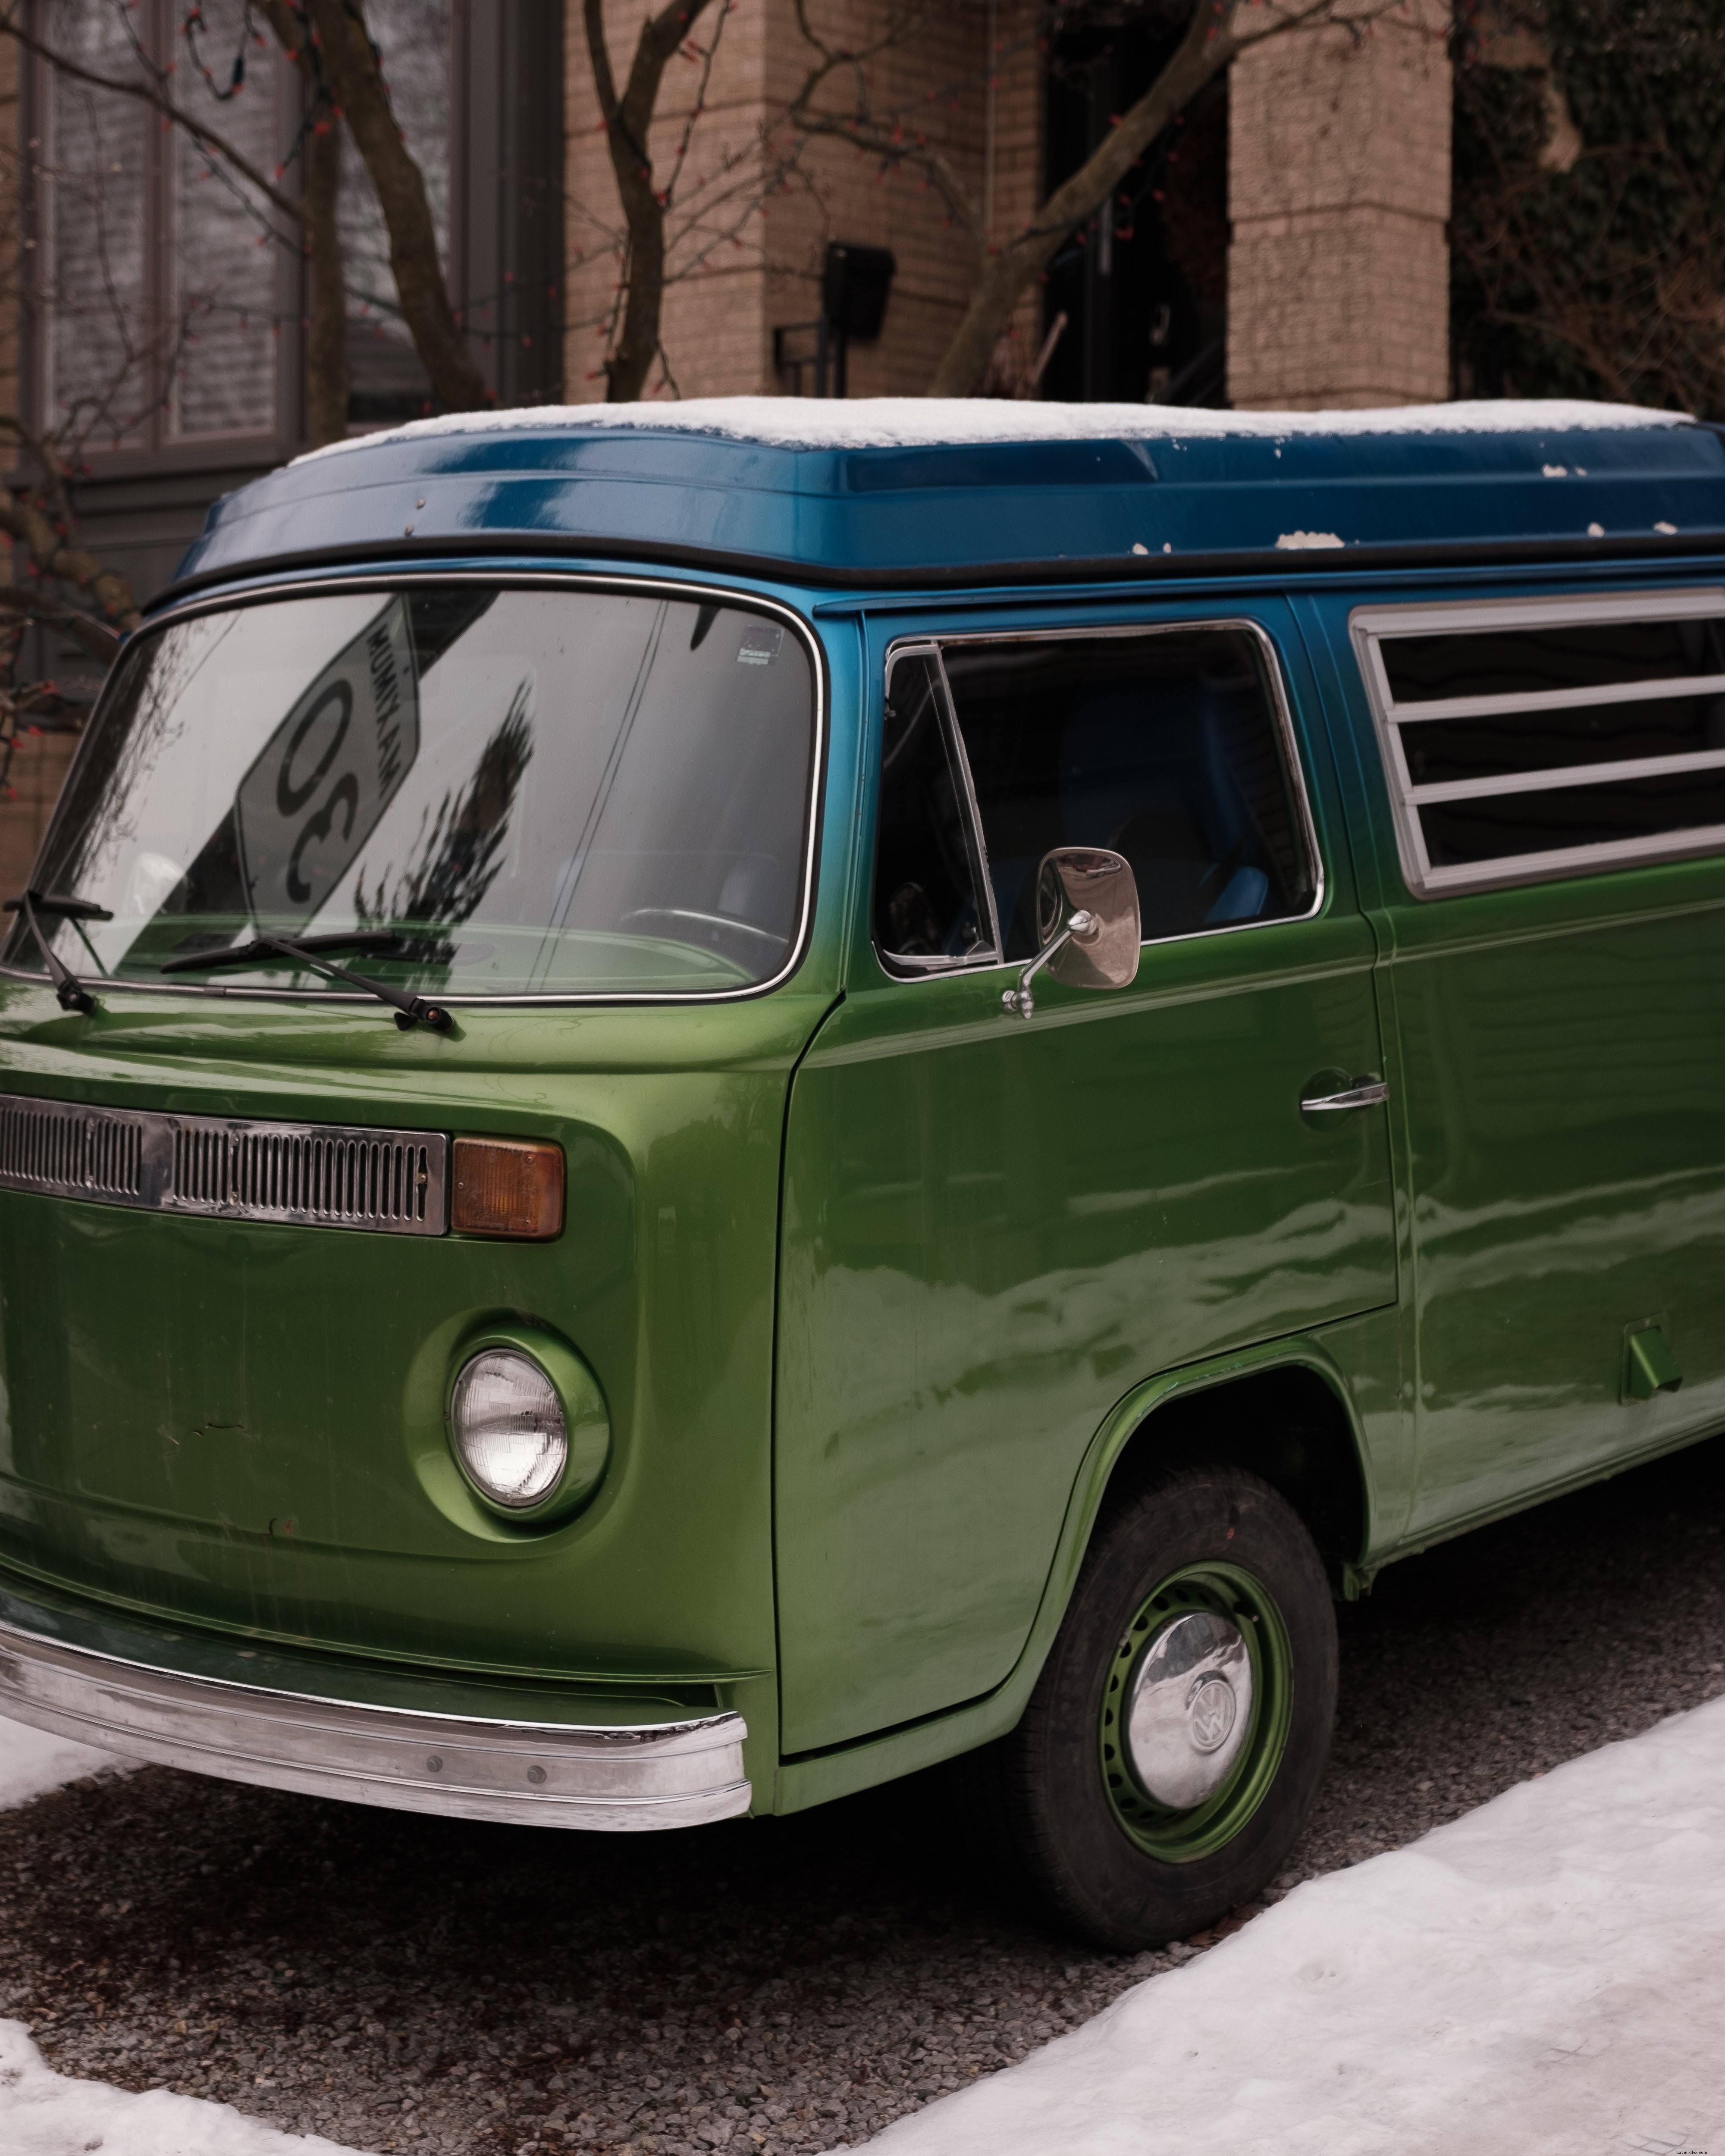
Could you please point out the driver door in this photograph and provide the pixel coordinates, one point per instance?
(994, 1226)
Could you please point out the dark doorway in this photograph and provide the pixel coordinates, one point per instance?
(1144, 286)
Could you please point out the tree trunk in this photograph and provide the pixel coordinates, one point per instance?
(628, 120)
(329, 380)
(328, 377)
(351, 67)
(1206, 49)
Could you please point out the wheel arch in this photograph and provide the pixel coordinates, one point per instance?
(1291, 1424)
(1178, 1418)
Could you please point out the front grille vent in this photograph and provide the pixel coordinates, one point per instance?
(46, 1146)
(346, 1178)
(319, 1175)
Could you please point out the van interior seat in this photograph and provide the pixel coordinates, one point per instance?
(1146, 773)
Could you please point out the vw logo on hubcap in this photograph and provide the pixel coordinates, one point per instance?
(1210, 1711)
(1190, 1713)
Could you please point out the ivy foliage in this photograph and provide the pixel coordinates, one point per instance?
(1587, 233)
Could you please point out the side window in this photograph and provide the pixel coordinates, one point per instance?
(930, 903)
(1527, 741)
(1165, 745)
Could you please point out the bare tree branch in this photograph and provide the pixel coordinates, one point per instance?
(350, 61)
(329, 377)
(48, 528)
(147, 92)
(1009, 268)
(96, 636)
(628, 120)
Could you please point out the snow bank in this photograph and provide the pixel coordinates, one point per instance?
(43, 2114)
(32, 1762)
(1542, 1978)
(865, 422)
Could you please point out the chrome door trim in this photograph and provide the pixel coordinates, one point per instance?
(1367, 1095)
(633, 1778)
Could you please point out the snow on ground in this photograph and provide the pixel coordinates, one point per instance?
(32, 1762)
(43, 2113)
(865, 422)
(1543, 1977)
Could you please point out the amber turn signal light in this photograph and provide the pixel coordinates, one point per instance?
(508, 1187)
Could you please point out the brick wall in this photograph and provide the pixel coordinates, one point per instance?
(1338, 194)
(749, 261)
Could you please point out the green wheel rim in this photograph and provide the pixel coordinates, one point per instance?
(1228, 1592)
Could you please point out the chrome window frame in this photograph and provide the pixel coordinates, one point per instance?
(1369, 625)
(1294, 765)
(958, 758)
(387, 580)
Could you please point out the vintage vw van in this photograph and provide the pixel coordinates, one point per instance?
(703, 1104)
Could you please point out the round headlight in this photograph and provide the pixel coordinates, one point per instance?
(509, 1427)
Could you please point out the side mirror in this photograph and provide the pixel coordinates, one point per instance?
(1086, 924)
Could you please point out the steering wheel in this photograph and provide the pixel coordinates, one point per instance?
(707, 919)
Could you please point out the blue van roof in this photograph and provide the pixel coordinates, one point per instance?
(912, 491)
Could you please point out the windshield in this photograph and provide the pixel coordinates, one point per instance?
(541, 792)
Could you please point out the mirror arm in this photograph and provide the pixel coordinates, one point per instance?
(1081, 928)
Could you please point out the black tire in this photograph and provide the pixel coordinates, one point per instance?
(1109, 1863)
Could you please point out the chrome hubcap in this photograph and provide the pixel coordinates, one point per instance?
(1190, 1713)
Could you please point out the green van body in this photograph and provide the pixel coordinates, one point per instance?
(881, 1284)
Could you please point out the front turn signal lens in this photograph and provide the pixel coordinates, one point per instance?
(510, 1187)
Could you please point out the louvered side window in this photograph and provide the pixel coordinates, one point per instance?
(1523, 741)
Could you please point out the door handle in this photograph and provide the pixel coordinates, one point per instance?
(1366, 1094)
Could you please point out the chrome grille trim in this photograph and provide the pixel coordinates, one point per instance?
(319, 1175)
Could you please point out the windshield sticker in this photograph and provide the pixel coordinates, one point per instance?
(308, 805)
(760, 645)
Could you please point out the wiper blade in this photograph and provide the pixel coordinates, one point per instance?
(69, 992)
(247, 954)
(409, 1010)
(51, 902)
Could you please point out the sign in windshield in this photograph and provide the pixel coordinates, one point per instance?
(307, 806)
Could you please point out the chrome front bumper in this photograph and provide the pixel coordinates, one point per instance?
(629, 1778)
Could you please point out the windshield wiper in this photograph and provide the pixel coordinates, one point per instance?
(409, 1010)
(69, 992)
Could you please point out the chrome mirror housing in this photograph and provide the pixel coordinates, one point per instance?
(1086, 924)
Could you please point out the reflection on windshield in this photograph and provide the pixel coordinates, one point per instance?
(460, 857)
(543, 792)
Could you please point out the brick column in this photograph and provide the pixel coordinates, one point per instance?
(719, 314)
(1338, 270)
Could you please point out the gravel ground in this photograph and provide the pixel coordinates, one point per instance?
(793, 1985)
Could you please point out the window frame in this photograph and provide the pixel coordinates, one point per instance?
(1369, 625)
(908, 966)
(161, 447)
(921, 644)
(276, 589)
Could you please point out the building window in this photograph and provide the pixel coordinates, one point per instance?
(163, 283)
(169, 299)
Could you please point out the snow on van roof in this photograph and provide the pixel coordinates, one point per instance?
(871, 423)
